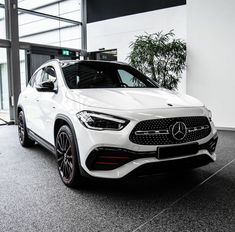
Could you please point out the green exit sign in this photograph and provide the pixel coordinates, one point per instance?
(65, 52)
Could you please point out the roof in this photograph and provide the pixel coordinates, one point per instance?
(69, 62)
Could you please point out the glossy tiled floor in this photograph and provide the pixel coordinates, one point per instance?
(33, 198)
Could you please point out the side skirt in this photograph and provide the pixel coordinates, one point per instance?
(41, 141)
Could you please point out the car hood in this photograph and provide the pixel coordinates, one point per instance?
(131, 99)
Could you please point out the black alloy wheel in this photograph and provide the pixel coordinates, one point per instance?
(66, 155)
(25, 141)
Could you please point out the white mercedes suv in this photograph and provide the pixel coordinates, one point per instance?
(108, 120)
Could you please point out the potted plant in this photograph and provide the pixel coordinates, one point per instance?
(159, 56)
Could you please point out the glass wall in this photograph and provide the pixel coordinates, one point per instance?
(49, 22)
(4, 86)
(4, 92)
(44, 30)
(23, 77)
(2, 20)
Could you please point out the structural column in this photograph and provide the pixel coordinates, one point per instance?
(84, 24)
(14, 64)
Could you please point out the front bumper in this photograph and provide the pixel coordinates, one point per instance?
(110, 158)
(171, 165)
(91, 143)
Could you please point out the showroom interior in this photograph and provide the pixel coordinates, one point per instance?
(32, 196)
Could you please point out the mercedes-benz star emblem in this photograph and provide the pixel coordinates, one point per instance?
(179, 131)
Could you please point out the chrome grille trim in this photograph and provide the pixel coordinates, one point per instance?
(152, 132)
(197, 128)
(165, 132)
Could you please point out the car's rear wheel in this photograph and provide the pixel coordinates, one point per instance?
(66, 155)
(25, 141)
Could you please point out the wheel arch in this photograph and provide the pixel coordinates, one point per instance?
(18, 110)
(65, 120)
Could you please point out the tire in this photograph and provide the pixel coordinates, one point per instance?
(25, 141)
(67, 160)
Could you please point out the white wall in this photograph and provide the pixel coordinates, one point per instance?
(211, 57)
(119, 32)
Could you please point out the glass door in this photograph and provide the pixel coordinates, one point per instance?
(23, 75)
(4, 87)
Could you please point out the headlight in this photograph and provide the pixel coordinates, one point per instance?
(99, 121)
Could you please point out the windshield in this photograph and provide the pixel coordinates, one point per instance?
(94, 74)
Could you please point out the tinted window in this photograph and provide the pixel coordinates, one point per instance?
(32, 79)
(48, 74)
(37, 79)
(43, 75)
(129, 80)
(104, 75)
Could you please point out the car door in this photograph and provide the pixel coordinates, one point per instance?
(47, 105)
(30, 102)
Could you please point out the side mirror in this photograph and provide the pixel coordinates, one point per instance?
(47, 86)
(50, 71)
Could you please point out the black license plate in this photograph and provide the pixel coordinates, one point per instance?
(177, 150)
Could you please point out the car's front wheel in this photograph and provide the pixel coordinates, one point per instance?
(25, 141)
(66, 154)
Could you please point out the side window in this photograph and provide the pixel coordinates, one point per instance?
(130, 80)
(32, 79)
(37, 78)
(48, 74)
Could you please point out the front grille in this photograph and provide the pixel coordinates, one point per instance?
(159, 131)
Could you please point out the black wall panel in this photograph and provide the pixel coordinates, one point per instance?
(106, 9)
